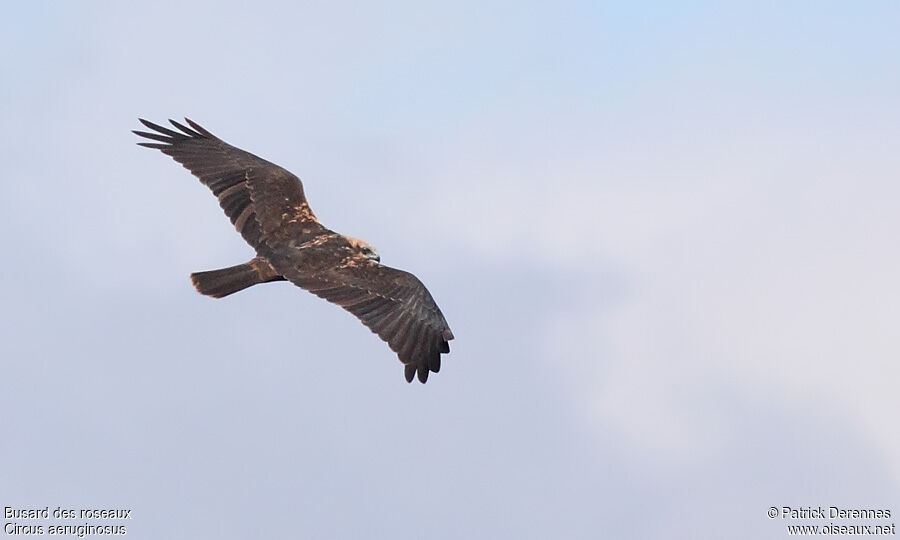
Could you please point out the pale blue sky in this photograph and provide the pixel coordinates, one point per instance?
(663, 234)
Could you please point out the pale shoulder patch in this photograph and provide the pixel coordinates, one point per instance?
(302, 212)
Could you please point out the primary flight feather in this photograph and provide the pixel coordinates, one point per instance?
(267, 206)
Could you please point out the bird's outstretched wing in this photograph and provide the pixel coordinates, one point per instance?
(258, 196)
(394, 304)
(267, 206)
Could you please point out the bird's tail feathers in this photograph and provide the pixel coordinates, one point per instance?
(219, 283)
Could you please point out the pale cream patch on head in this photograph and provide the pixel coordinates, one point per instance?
(358, 244)
(363, 249)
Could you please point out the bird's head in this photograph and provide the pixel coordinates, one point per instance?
(364, 249)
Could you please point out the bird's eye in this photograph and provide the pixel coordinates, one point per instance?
(370, 253)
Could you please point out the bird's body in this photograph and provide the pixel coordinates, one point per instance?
(267, 206)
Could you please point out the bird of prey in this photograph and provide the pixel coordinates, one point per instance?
(267, 206)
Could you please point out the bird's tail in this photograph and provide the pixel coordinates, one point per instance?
(219, 283)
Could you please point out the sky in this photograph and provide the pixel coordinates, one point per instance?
(664, 235)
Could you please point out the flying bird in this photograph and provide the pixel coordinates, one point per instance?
(267, 206)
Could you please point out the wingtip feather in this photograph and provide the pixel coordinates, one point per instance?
(199, 128)
(155, 146)
(160, 129)
(188, 131)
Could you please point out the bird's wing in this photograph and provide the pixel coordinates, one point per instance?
(258, 196)
(394, 304)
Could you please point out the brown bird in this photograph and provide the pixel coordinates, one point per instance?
(267, 206)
